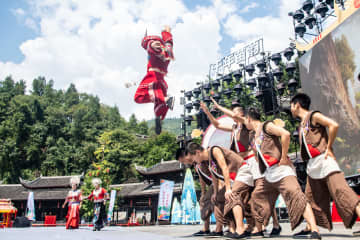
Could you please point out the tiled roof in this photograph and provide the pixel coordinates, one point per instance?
(48, 182)
(163, 167)
(18, 192)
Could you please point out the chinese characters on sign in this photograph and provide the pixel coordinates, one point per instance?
(165, 199)
(241, 56)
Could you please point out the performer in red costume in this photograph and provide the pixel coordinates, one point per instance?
(153, 87)
(99, 196)
(74, 200)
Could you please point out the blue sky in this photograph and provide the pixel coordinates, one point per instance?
(15, 30)
(101, 57)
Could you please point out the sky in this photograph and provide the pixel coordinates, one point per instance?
(95, 44)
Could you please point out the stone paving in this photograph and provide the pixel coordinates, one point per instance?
(144, 233)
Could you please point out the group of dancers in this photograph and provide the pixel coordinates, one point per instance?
(244, 182)
(74, 198)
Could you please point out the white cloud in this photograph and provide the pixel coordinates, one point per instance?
(276, 31)
(96, 46)
(249, 7)
(18, 12)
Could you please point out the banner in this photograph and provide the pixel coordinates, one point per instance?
(111, 205)
(165, 199)
(30, 213)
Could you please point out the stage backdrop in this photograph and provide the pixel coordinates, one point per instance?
(330, 75)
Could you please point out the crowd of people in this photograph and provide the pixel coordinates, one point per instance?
(244, 182)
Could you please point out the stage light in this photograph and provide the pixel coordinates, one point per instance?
(237, 75)
(330, 3)
(189, 107)
(292, 84)
(300, 29)
(322, 9)
(259, 95)
(288, 53)
(207, 87)
(281, 88)
(308, 6)
(276, 58)
(278, 73)
(216, 84)
(250, 69)
(196, 104)
(188, 120)
(261, 65)
(251, 83)
(290, 68)
(216, 97)
(262, 78)
(228, 93)
(310, 21)
(214, 111)
(238, 88)
(207, 100)
(295, 135)
(196, 92)
(188, 95)
(298, 15)
(228, 79)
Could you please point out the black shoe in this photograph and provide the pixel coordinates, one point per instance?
(357, 233)
(302, 234)
(315, 235)
(228, 234)
(275, 232)
(257, 235)
(202, 233)
(215, 234)
(157, 125)
(244, 235)
(170, 103)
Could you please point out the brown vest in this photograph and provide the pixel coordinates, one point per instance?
(233, 161)
(204, 172)
(240, 136)
(315, 136)
(270, 146)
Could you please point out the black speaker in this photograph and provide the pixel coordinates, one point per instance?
(269, 102)
(21, 222)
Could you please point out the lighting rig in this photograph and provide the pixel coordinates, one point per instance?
(269, 81)
(313, 16)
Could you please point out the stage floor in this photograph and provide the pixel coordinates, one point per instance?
(144, 233)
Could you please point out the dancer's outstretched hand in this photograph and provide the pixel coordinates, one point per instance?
(216, 105)
(204, 107)
(167, 28)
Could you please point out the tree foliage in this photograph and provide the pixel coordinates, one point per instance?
(61, 132)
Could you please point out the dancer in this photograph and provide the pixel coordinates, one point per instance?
(227, 166)
(271, 144)
(153, 87)
(325, 179)
(240, 143)
(99, 196)
(207, 207)
(74, 200)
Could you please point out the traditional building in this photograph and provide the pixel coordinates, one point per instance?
(49, 195)
(143, 197)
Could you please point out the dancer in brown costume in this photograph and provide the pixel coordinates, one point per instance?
(240, 143)
(325, 178)
(207, 207)
(271, 144)
(227, 166)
